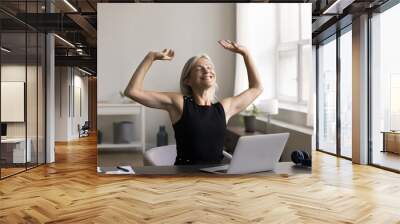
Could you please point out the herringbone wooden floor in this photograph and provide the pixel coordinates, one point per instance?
(70, 191)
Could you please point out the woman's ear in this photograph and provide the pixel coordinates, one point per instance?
(186, 81)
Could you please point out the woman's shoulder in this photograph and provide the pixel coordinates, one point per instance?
(219, 105)
(175, 96)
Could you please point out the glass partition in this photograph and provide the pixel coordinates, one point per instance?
(22, 87)
(13, 94)
(385, 89)
(327, 97)
(346, 94)
(31, 99)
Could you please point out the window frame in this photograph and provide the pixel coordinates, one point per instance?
(297, 46)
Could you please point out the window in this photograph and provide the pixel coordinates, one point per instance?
(327, 97)
(289, 17)
(346, 94)
(335, 94)
(288, 75)
(279, 38)
(394, 102)
(294, 53)
(385, 88)
(306, 71)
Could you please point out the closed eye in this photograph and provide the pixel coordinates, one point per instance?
(199, 67)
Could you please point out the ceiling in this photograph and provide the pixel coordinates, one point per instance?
(77, 22)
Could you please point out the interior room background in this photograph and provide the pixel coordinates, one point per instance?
(277, 35)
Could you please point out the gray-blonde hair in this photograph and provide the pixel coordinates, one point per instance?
(186, 89)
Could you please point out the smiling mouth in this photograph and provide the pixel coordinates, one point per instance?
(207, 77)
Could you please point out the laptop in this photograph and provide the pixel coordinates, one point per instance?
(255, 153)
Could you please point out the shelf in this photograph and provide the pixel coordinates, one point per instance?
(116, 109)
(119, 109)
(136, 144)
(118, 104)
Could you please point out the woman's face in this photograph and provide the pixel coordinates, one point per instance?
(202, 74)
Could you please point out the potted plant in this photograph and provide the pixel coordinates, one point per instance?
(249, 117)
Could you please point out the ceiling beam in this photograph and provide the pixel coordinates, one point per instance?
(337, 7)
(84, 24)
(83, 61)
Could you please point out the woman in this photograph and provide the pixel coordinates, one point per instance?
(199, 124)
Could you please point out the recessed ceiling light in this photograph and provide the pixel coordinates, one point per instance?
(84, 71)
(70, 5)
(5, 50)
(64, 40)
(338, 6)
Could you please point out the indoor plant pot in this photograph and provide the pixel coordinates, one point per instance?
(249, 123)
(249, 118)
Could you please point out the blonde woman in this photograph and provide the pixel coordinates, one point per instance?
(199, 121)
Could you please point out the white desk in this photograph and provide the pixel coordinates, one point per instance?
(282, 168)
(18, 149)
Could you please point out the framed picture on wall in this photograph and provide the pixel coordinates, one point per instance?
(12, 101)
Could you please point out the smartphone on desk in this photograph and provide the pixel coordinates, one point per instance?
(116, 170)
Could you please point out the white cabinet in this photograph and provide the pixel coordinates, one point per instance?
(17, 145)
(108, 112)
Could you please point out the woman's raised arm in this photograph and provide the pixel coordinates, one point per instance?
(134, 90)
(236, 104)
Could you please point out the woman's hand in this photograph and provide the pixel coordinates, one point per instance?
(234, 47)
(166, 54)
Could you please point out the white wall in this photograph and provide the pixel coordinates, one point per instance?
(16, 72)
(61, 103)
(66, 121)
(83, 83)
(189, 29)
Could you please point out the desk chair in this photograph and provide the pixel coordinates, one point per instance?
(166, 155)
(84, 130)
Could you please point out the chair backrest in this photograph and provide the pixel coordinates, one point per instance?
(161, 156)
(86, 125)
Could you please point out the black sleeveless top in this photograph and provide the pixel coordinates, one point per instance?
(200, 133)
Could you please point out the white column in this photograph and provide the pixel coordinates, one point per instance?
(50, 94)
(360, 90)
